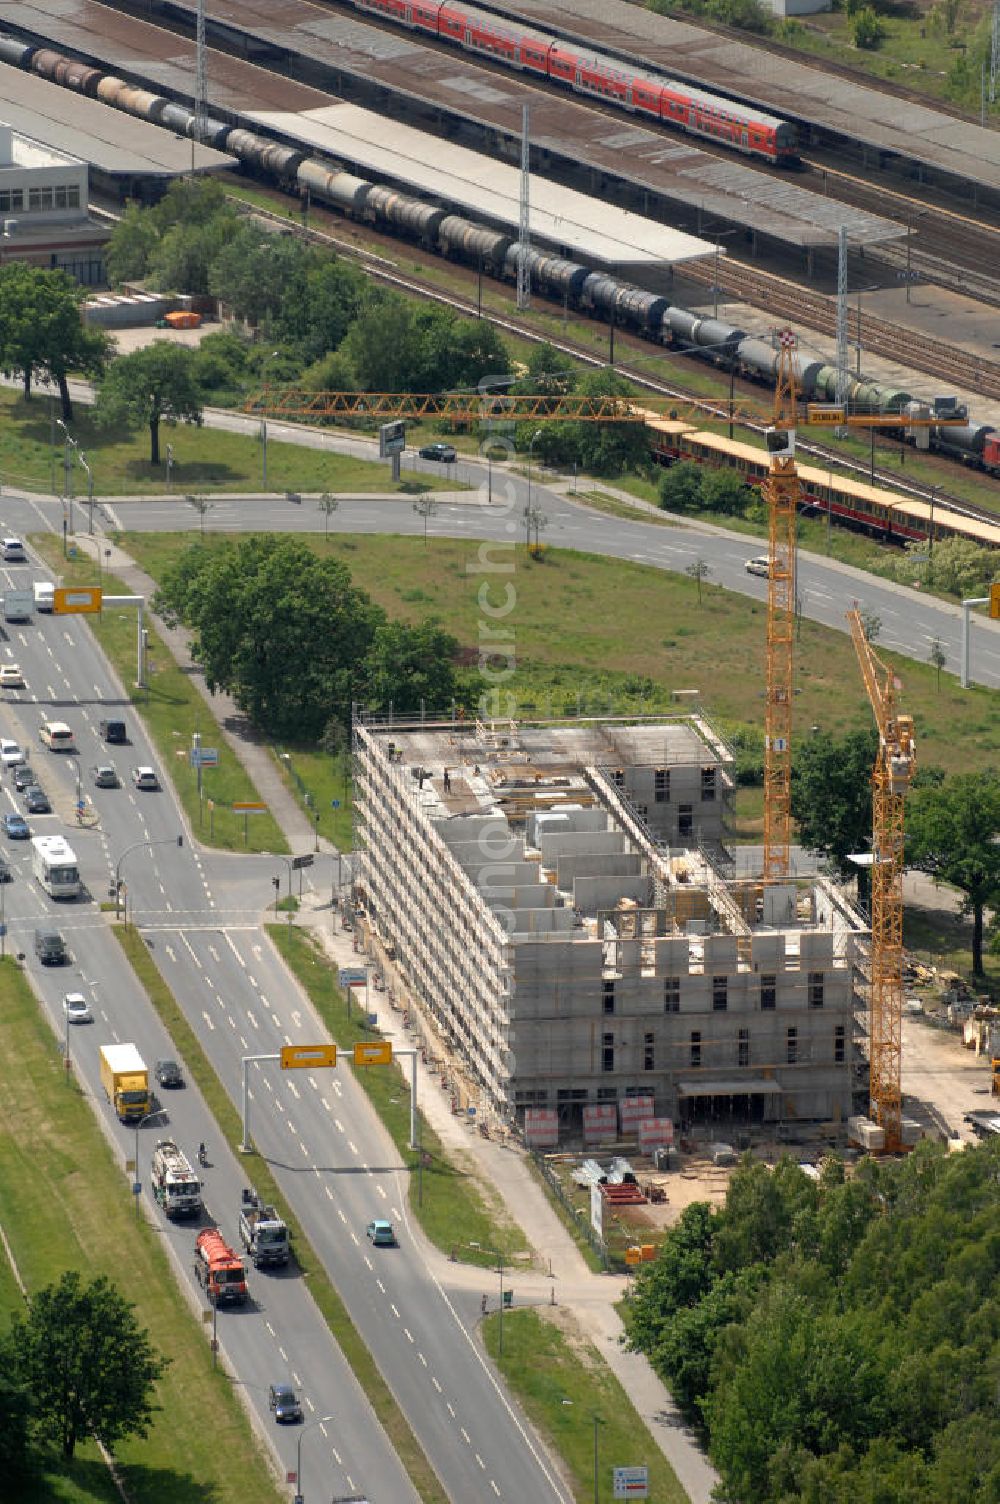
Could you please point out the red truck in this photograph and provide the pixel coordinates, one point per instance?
(220, 1271)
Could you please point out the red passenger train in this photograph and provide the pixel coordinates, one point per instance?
(647, 94)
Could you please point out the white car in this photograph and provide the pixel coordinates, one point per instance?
(76, 1009)
(13, 551)
(11, 677)
(10, 753)
(760, 565)
(145, 778)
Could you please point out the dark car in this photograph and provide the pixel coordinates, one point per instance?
(16, 827)
(36, 800)
(168, 1073)
(50, 947)
(24, 776)
(443, 453)
(284, 1402)
(113, 731)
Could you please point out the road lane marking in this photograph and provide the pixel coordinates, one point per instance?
(392, 1308)
(437, 1386)
(352, 1146)
(407, 1334)
(208, 1021)
(294, 1090)
(465, 1436)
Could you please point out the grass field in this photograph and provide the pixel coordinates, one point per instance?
(601, 636)
(65, 1204)
(205, 460)
(173, 710)
(572, 1397)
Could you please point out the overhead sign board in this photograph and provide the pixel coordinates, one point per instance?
(391, 440)
(250, 807)
(304, 1056)
(84, 600)
(373, 1052)
(831, 415)
(352, 976)
(630, 1482)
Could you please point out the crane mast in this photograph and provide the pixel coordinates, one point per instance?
(891, 779)
(781, 492)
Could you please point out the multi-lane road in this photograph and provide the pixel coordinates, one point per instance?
(200, 913)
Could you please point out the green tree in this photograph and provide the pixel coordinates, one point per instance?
(183, 259)
(383, 345)
(154, 383)
(937, 657)
(832, 795)
(698, 571)
(130, 246)
(254, 273)
(413, 668)
(724, 492)
(953, 834)
(609, 448)
(285, 632)
(16, 1409)
(867, 29)
(41, 333)
(318, 310)
(90, 1369)
(680, 487)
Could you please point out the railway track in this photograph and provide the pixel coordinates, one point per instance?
(382, 269)
(801, 305)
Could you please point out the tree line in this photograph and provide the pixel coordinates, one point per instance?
(836, 1341)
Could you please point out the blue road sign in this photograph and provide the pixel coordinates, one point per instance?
(334, 803)
(353, 976)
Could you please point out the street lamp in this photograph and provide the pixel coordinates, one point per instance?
(158, 1112)
(116, 891)
(79, 792)
(495, 1252)
(860, 293)
(299, 1496)
(70, 442)
(598, 1422)
(263, 422)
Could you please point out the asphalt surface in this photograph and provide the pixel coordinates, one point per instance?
(200, 914)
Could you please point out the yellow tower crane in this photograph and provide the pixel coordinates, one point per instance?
(891, 779)
(781, 492)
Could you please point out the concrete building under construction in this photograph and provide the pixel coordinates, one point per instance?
(558, 901)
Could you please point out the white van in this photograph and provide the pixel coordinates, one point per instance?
(57, 736)
(45, 593)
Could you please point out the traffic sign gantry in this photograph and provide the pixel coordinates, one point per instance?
(83, 600)
(373, 1052)
(305, 1056)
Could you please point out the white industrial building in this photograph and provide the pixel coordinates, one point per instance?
(556, 901)
(43, 209)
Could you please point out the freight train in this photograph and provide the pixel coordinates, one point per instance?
(497, 252)
(651, 96)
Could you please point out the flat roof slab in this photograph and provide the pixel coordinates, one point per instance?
(484, 185)
(91, 132)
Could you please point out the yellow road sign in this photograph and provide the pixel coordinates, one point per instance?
(83, 600)
(373, 1052)
(995, 600)
(304, 1056)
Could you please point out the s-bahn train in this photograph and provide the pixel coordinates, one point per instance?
(651, 96)
(497, 251)
(885, 515)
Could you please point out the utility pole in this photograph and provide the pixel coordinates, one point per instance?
(524, 220)
(198, 124)
(843, 373)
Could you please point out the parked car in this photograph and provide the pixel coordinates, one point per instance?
(36, 800)
(10, 752)
(145, 778)
(168, 1073)
(105, 776)
(443, 453)
(760, 565)
(24, 776)
(380, 1233)
(284, 1402)
(11, 677)
(15, 827)
(76, 1009)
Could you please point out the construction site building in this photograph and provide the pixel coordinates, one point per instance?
(560, 901)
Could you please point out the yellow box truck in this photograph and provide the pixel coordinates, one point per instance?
(125, 1080)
